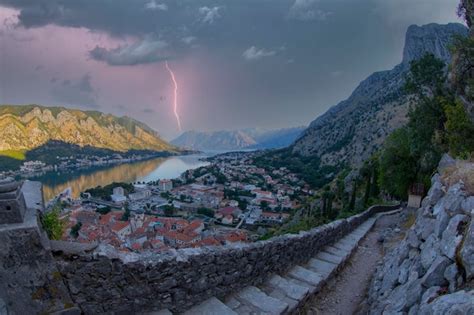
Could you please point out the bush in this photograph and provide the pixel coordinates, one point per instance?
(206, 211)
(52, 224)
(459, 131)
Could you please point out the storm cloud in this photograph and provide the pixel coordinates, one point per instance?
(252, 63)
(140, 52)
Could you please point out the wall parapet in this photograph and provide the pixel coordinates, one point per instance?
(101, 279)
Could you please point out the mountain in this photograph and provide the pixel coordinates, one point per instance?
(251, 138)
(356, 127)
(25, 127)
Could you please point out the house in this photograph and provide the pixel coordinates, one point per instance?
(165, 185)
(118, 195)
(233, 211)
(139, 195)
(274, 217)
(228, 219)
(262, 194)
(121, 229)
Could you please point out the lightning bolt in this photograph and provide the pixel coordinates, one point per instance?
(175, 102)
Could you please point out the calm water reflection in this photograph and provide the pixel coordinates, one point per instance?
(82, 179)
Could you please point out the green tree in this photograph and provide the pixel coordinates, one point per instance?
(126, 213)
(426, 77)
(398, 168)
(459, 131)
(75, 229)
(52, 224)
(206, 211)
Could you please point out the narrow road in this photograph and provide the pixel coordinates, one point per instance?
(345, 293)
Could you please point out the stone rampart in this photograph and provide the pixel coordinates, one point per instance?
(105, 280)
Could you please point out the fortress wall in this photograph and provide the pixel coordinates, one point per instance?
(105, 280)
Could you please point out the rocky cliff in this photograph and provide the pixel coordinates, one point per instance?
(355, 128)
(431, 271)
(28, 127)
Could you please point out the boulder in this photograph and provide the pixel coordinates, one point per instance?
(412, 239)
(429, 251)
(435, 193)
(451, 202)
(446, 161)
(467, 205)
(430, 295)
(461, 302)
(434, 276)
(424, 227)
(403, 297)
(451, 273)
(467, 252)
(453, 235)
(442, 220)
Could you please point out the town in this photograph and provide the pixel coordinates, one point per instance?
(230, 200)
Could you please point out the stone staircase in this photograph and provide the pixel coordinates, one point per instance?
(286, 293)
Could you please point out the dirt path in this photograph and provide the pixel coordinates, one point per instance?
(345, 293)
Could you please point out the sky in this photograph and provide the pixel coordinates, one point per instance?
(237, 63)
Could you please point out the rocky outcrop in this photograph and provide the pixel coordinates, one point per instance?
(428, 271)
(355, 128)
(30, 126)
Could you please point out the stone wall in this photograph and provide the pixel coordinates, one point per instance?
(30, 282)
(104, 280)
(431, 271)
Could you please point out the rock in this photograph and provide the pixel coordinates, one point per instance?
(429, 251)
(430, 294)
(467, 205)
(442, 220)
(458, 303)
(445, 162)
(451, 274)
(424, 227)
(434, 276)
(414, 310)
(403, 297)
(453, 235)
(435, 193)
(467, 251)
(412, 239)
(3, 307)
(451, 202)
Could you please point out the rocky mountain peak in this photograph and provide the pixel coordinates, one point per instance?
(431, 38)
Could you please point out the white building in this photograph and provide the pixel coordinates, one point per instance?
(118, 195)
(165, 184)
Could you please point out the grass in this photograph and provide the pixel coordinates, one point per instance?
(14, 154)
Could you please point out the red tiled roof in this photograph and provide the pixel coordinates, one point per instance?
(119, 225)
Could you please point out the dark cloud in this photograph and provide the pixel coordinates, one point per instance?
(76, 93)
(141, 52)
(307, 54)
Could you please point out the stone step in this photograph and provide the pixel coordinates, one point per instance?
(292, 290)
(253, 300)
(289, 292)
(343, 246)
(211, 306)
(306, 275)
(329, 257)
(311, 288)
(343, 253)
(324, 268)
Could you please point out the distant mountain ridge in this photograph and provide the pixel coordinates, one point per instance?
(251, 138)
(356, 127)
(25, 127)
